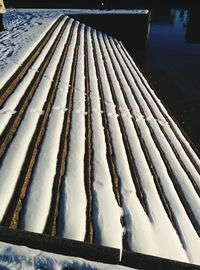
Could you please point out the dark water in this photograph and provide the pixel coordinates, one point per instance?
(172, 62)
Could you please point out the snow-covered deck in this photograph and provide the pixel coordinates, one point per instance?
(89, 152)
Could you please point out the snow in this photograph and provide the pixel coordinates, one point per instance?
(139, 130)
(23, 32)
(19, 257)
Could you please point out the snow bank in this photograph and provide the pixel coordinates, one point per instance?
(18, 257)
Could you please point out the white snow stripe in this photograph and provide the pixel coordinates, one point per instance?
(106, 212)
(72, 218)
(134, 217)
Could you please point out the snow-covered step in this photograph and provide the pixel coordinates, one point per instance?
(88, 151)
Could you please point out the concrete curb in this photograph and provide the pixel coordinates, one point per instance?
(60, 245)
(90, 252)
(148, 262)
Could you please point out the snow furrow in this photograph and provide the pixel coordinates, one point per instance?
(73, 195)
(108, 139)
(113, 121)
(12, 164)
(179, 213)
(62, 104)
(136, 176)
(104, 202)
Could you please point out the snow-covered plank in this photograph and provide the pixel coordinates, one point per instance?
(104, 202)
(73, 197)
